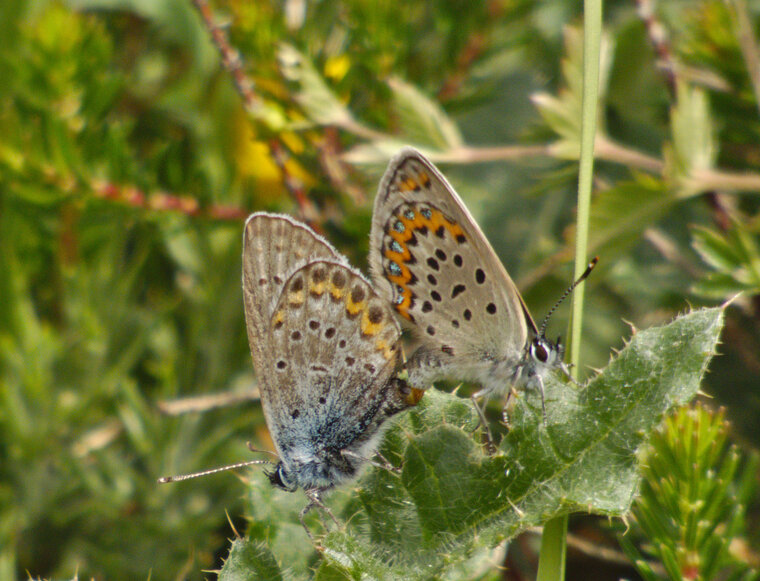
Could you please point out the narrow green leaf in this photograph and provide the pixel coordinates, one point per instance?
(715, 249)
(693, 144)
(620, 214)
(317, 99)
(422, 120)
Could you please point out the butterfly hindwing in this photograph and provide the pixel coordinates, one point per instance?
(336, 345)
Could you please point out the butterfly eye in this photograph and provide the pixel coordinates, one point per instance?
(279, 479)
(540, 352)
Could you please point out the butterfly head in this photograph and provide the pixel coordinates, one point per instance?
(544, 353)
(279, 478)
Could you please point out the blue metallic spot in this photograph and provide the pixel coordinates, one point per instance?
(396, 247)
(409, 214)
(427, 213)
(394, 268)
(399, 226)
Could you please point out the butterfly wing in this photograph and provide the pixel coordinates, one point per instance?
(274, 246)
(430, 259)
(336, 345)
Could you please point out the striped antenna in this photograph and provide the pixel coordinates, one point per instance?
(178, 477)
(581, 278)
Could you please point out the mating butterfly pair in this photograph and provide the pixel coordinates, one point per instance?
(326, 344)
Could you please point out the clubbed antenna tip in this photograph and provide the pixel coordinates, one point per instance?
(580, 279)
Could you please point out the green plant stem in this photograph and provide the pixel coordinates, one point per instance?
(551, 564)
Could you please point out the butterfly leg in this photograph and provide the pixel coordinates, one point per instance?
(315, 501)
(385, 464)
(565, 367)
(504, 411)
(490, 446)
(543, 399)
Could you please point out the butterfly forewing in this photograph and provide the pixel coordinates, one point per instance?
(430, 259)
(335, 346)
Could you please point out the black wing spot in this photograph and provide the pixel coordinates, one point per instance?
(281, 364)
(458, 290)
(433, 263)
(455, 323)
(262, 281)
(440, 254)
(436, 296)
(295, 335)
(342, 343)
(369, 367)
(480, 276)
(322, 400)
(432, 280)
(491, 309)
(440, 231)
(318, 275)
(330, 333)
(357, 294)
(375, 314)
(313, 325)
(350, 361)
(431, 330)
(294, 414)
(297, 285)
(427, 307)
(339, 279)
(467, 314)
(277, 280)
(458, 260)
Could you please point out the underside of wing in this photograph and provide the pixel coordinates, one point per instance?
(335, 346)
(274, 246)
(430, 259)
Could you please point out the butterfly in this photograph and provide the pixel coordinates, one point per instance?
(431, 261)
(326, 349)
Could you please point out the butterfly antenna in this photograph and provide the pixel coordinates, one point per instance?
(165, 479)
(178, 477)
(570, 289)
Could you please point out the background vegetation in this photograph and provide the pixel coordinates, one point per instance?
(129, 159)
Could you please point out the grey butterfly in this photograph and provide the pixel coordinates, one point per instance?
(326, 350)
(431, 261)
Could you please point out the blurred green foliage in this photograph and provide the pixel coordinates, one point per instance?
(127, 162)
(694, 494)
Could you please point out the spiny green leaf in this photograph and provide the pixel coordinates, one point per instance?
(452, 499)
(250, 561)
